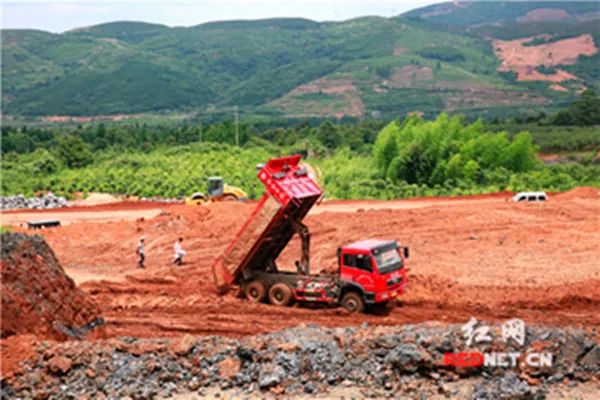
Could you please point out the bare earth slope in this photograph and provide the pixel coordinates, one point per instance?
(524, 59)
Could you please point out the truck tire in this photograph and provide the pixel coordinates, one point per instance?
(353, 302)
(256, 291)
(280, 294)
(230, 197)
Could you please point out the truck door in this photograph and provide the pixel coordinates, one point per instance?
(358, 268)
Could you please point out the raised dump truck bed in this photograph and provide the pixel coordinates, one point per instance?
(290, 194)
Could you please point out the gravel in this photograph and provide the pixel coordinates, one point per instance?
(22, 202)
(308, 360)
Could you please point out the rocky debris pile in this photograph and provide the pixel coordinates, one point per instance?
(21, 202)
(380, 362)
(37, 295)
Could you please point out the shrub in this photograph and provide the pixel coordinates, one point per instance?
(430, 153)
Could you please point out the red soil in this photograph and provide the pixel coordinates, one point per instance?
(36, 292)
(38, 298)
(485, 257)
(14, 350)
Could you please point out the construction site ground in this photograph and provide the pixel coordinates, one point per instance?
(482, 256)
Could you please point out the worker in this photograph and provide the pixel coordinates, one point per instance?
(141, 252)
(179, 252)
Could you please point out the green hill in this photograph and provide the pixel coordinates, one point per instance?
(432, 59)
(129, 32)
(487, 12)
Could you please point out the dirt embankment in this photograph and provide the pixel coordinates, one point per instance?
(37, 296)
(38, 299)
(584, 192)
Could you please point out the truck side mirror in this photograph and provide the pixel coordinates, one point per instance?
(406, 253)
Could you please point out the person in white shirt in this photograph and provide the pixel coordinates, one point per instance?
(179, 252)
(141, 252)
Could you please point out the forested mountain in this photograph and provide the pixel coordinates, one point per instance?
(479, 57)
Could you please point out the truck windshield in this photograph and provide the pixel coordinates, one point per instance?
(388, 261)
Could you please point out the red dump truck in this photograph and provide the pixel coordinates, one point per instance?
(370, 272)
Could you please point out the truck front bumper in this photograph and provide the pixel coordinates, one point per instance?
(390, 294)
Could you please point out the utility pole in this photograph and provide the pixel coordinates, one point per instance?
(237, 129)
(200, 133)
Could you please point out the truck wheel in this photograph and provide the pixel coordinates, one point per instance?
(229, 197)
(256, 291)
(353, 302)
(280, 294)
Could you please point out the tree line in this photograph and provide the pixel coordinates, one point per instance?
(413, 157)
(316, 136)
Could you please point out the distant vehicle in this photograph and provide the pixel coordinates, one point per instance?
(217, 191)
(43, 224)
(530, 196)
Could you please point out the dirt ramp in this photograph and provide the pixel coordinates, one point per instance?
(582, 192)
(37, 295)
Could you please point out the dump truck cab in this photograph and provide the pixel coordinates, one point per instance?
(371, 272)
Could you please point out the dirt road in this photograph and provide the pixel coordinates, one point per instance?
(67, 218)
(481, 256)
(120, 211)
(131, 211)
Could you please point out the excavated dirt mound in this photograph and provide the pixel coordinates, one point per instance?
(37, 295)
(96, 199)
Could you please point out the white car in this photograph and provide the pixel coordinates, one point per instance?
(530, 196)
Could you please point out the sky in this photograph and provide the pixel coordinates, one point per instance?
(62, 15)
